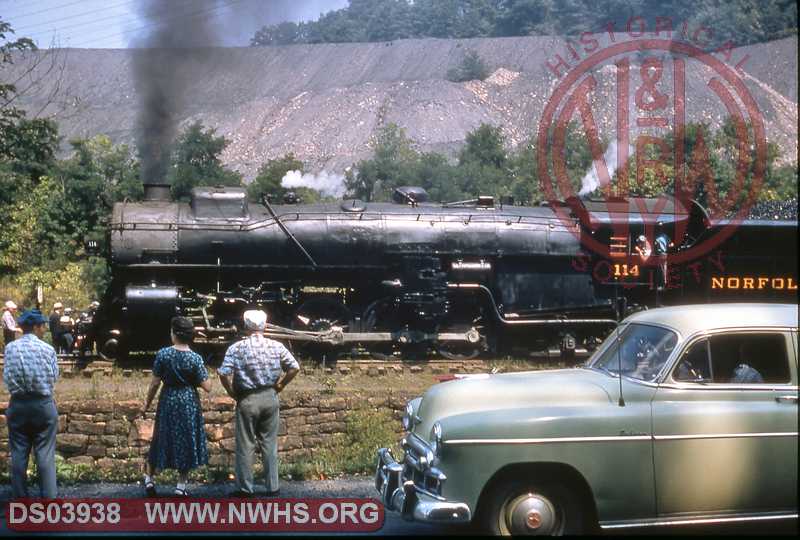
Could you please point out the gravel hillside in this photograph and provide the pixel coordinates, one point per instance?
(324, 102)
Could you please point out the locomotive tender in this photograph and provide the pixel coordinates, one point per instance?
(460, 279)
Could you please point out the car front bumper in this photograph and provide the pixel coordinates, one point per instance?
(413, 502)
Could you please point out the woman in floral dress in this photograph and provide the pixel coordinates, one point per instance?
(179, 437)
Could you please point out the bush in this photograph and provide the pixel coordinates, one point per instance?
(471, 68)
(75, 284)
(354, 451)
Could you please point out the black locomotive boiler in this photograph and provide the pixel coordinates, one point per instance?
(410, 277)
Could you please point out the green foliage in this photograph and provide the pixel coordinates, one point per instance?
(391, 166)
(75, 284)
(268, 180)
(195, 162)
(740, 21)
(351, 452)
(329, 386)
(29, 146)
(51, 207)
(9, 47)
(354, 450)
(471, 68)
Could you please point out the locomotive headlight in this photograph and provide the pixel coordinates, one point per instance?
(435, 440)
(408, 417)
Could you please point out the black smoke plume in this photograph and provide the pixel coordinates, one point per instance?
(165, 65)
(175, 56)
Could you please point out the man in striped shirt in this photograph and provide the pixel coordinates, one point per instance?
(30, 372)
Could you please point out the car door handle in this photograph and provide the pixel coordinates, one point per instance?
(786, 399)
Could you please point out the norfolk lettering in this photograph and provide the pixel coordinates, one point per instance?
(754, 283)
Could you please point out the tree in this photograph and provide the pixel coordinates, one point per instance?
(391, 165)
(270, 174)
(471, 68)
(97, 175)
(29, 146)
(9, 114)
(742, 21)
(195, 162)
(433, 172)
(285, 33)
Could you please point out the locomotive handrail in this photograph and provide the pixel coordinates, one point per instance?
(458, 218)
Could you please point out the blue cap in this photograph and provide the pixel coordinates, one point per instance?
(31, 317)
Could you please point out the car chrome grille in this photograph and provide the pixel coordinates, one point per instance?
(425, 477)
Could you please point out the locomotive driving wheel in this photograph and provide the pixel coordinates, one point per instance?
(320, 315)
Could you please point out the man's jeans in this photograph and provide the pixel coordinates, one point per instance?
(257, 418)
(32, 424)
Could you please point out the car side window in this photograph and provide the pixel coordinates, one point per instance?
(749, 358)
(735, 359)
(695, 364)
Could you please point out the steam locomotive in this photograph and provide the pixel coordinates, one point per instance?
(413, 277)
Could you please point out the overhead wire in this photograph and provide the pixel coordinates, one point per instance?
(74, 16)
(87, 23)
(225, 4)
(51, 8)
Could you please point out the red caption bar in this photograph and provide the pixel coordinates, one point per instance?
(199, 515)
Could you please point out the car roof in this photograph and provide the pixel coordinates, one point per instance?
(690, 319)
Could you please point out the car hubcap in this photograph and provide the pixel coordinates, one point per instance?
(531, 514)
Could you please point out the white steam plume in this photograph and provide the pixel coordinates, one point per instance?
(591, 180)
(331, 184)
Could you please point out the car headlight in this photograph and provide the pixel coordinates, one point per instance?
(435, 440)
(408, 417)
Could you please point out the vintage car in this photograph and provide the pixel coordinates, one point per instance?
(701, 427)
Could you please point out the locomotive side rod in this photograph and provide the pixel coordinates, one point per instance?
(336, 336)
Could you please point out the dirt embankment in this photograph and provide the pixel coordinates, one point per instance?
(324, 102)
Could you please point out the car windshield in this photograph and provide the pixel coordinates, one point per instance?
(643, 350)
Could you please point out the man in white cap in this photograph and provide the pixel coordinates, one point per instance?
(9, 322)
(254, 372)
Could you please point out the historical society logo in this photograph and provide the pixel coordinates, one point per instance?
(658, 79)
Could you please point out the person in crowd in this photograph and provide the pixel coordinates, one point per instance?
(643, 248)
(67, 329)
(179, 436)
(251, 375)
(9, 324)
(55, 325)
(744, 372)
(30, 373)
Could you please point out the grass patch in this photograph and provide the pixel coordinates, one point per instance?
(125, 473)
(349, 453)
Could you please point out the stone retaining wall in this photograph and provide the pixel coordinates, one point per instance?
(108, 434)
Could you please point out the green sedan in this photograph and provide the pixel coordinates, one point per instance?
(683, 415)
